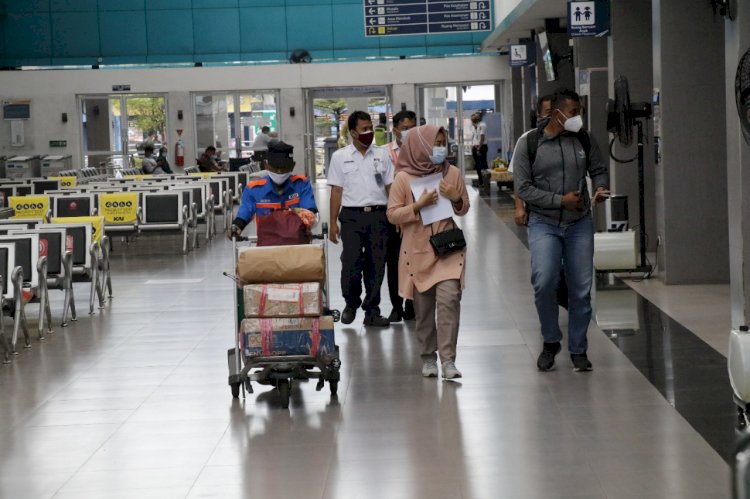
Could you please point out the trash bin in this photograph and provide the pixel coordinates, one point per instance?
(330, 144)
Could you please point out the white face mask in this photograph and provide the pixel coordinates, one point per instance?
(438, 155)
(573, 124)
(404, 133)
(279, 178)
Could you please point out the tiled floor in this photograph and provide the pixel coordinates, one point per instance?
(133, 402)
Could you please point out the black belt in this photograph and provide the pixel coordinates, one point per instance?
(366, 209)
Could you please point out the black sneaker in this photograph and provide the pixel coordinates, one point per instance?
(546, 359)
(348, 315)
(376, 321)
(581, 362)
(396, 316)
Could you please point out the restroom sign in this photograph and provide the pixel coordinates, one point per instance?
(588, 18)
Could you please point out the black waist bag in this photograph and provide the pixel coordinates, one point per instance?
(447, 242)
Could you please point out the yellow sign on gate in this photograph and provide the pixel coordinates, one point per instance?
(29, 206)
(97, 224)
(119, 208)
(66, 182)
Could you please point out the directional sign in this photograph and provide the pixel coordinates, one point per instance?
(588, 18)
(425, 17)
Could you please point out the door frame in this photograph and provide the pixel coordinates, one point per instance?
(122, 97)
(235, 94)
(309, 128)
(418, 92)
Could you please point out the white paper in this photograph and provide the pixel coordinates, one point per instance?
(436, 212)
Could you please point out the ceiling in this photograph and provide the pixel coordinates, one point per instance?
(528, 15)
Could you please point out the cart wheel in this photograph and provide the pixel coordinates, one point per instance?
(284, 392)
(334, 385)
(235, 390)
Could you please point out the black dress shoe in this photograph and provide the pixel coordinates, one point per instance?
(376, 321)
(396, 316)
(348, 315)
(409, 314)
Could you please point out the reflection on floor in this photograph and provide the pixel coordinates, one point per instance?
(690, 374)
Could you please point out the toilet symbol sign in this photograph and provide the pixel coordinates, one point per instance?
(588, 18)
(583, 14)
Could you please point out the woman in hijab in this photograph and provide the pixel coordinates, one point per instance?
(434, 283)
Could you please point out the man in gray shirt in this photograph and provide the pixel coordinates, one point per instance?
(549, 173)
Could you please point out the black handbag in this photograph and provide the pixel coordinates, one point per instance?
(447, 242)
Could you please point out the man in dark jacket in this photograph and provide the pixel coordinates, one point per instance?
(560, 225)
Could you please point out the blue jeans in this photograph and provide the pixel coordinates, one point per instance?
(550, 247)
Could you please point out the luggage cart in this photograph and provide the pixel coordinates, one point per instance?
(279, 371)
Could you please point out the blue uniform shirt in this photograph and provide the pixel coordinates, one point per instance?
(260, 197)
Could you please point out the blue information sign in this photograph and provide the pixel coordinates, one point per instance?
(424, 17)
(588, 18)
(522, 54)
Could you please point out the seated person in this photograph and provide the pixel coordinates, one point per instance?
(207, 162)
(162, 161)
(279, 189)
(149, 165)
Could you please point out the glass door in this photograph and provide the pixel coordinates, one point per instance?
(451, 107)
(327, 111)
(117, 127)
(231, 122)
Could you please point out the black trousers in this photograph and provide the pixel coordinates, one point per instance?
(364, 237)
(391, 264)
(479, 155)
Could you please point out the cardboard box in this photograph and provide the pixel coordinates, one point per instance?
(283, 300)
(282, 264)
(283, 337)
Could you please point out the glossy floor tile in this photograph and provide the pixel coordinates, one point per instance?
(133, 401)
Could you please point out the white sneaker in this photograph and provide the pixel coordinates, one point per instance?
(450, 371)
(429, 368)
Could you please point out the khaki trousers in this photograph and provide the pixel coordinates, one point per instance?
(438, 312)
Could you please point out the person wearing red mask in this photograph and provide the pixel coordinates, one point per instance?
(360, 178)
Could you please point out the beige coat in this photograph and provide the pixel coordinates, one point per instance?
(417, 264)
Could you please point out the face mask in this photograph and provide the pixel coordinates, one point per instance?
(366, 138)
(438, 155)
(404, 133)
(573, 124)
(279, 178)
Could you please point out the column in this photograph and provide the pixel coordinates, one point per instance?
(737, 41)
(691, 180)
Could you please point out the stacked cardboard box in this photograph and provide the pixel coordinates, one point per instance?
(283, 316)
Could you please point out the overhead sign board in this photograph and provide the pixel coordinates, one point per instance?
(522, 54)
(426, 17)
(588, 18)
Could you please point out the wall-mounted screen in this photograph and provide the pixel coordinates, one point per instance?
(16, 111)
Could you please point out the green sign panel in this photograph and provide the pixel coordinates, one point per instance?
(58, 143)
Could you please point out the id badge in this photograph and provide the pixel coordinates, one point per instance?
(379, 178)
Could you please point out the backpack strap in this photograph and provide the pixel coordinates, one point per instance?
(585, 140)
(532, 144)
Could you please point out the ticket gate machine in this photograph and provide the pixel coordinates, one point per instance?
(22, 167)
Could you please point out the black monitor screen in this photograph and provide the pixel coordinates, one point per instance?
(4, 267)
(73, 207)
(23, 190)
(79, 244)
(52, 242)
(42, 186)
(161, 209)
(23, 256)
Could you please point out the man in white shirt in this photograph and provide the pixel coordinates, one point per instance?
(403, 121)
(260, 144)
(360, 177)
(479, 144)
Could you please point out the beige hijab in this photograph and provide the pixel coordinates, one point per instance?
(414, 156)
